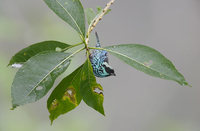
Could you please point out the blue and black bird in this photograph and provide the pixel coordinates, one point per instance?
(99, 61)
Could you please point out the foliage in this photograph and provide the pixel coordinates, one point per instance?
(43, 62)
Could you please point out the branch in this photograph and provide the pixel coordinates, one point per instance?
(96, 20)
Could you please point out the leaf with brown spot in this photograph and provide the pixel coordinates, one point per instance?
(88, 86)
(67, 94)
(70, 94)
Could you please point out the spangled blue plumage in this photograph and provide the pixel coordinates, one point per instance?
(99, 61)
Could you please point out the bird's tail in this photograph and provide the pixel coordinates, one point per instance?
(98, 42)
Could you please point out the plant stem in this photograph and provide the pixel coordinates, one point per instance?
(72, 46)
(97, 48)
(95, 21)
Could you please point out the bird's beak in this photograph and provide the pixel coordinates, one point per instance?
(113, 74)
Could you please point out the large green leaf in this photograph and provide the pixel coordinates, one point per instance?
(36, 77)
(66, 96)
(26, 53)
(71, 11)
(91, 91)
(148, 60)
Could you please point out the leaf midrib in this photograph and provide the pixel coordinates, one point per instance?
(89, 81)
(52, 71)
(135, 61)
(71, 17)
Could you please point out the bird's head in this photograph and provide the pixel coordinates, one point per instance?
(108, 69)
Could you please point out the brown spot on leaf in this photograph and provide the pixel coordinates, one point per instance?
(70, 94)
(98, 90)
(39, 88)
(149, 63)
(54, 104)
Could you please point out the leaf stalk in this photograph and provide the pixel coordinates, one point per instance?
(72, 46)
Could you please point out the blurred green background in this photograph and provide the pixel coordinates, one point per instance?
(133, 100)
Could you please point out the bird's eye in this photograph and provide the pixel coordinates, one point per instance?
(108, 69)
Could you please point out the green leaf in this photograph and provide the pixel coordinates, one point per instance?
(90, 14)
(91, 91)
(26, 53)
(99, 9)
(66, 96)
(71, 11)
(148, 60)
(36, 77)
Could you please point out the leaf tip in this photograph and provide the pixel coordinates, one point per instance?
(104, 114)
(189, 85)
(13, 107)
(8, 65)
(51, 122)
(101, 111)
(10, 62)
(184, 83)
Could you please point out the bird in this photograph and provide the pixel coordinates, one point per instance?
(99, 61)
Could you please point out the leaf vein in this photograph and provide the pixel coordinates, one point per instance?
(70, 16)
(53, 70)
